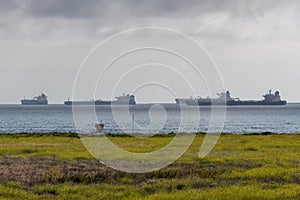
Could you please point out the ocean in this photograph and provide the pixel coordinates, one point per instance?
(149, 119)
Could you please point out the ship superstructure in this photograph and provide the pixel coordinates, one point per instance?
(38, 100)
(223, 98)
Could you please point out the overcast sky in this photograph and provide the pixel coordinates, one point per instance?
(256, 44)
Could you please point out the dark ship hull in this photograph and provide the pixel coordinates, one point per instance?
(237, 103)
(33, 102)
(121, 100)
(98, 103)
(256, 103)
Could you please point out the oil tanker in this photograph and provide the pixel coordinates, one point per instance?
(38, 100)
(224, 98)
(120, 100)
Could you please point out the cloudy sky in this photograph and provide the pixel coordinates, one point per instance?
(256, 44)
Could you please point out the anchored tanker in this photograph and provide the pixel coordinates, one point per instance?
(225, 99)
(120, 100)
(38, 100)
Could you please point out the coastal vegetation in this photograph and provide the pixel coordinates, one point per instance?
(57, 166)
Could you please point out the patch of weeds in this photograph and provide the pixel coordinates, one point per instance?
(52, 175)
(269, 186)
(28, 151)
(251, 149)
(204, 183)
(118, 135)
(47, 190)
(180, 186)
(147, 190)
(171, 134)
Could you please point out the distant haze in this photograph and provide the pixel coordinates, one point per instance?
(256, 44)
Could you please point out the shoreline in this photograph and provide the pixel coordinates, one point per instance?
(171, 134)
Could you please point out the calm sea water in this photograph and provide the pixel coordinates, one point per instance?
(150, 119)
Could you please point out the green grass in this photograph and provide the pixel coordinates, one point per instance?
(57, 166)
(35, 145)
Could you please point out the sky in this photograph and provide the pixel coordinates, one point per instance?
(255, 44)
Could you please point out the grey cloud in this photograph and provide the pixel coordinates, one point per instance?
(211, 18)
(65, 8)
(6, 5)
(154, 8)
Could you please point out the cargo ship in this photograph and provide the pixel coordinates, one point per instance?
(224, 98)
(120, 100)
(38, 100)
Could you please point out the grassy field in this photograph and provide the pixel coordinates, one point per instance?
(57, 166)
